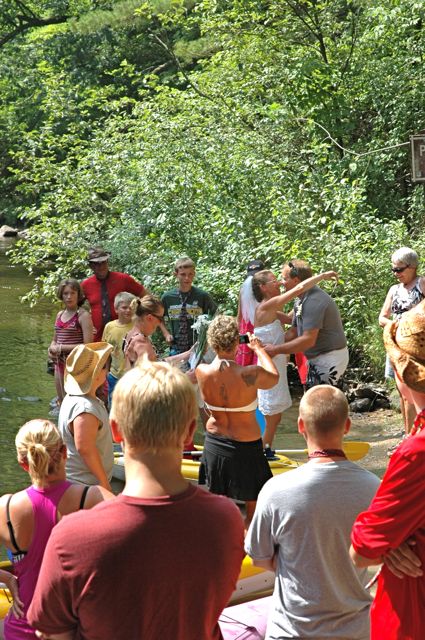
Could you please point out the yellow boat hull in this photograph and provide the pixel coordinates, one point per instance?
(190, 468)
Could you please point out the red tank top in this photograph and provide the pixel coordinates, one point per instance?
(69, 332)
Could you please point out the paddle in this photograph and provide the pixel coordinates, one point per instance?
(354, 450)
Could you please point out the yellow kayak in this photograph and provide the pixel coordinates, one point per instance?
(354, 450)
(252, 580)
(190, 468)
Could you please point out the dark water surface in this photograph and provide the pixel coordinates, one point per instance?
(25, 334)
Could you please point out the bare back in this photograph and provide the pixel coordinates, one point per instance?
(225, 384)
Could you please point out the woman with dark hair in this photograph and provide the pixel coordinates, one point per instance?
(73, 326)
(28, 517)
(268, 327)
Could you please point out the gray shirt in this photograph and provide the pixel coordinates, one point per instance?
(71, 407)
(317, 310)
(306, 515)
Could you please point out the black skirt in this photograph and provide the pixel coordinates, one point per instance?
(234, 469)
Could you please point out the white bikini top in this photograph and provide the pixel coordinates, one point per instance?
(248, 407)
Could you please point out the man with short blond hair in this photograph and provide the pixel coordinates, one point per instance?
(301, 530)
(131, 571)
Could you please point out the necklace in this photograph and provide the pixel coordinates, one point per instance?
(327, 453)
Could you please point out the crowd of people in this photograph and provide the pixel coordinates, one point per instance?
(161, 559)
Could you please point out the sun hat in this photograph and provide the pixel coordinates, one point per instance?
(254, 266)
(97, 254)
(83, 364)
(404, 340)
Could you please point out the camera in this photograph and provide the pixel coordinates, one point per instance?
(244, 338)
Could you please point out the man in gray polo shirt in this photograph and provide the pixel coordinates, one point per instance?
(301, 530)
(316, 330)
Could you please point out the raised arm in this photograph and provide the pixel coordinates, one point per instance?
(277, 302)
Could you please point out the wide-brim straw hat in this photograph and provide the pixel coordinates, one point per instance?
(404, 341)
(82, 366)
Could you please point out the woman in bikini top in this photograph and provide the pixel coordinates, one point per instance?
(230, 390)
(28, 517)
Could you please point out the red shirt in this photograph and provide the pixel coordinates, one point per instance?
(396, 513)
(116, 282)
(132, 568)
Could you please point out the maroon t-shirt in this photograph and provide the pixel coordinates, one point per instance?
(396, 513)
(115, 282)
(135, 569)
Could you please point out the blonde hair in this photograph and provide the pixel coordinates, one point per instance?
(184, 263)
(323, 409)
(123, 297)
(40, 446)
(153, 404)
(223, 333)
(143, 306)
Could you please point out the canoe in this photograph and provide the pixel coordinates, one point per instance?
(190, 468)
(354, 450)
(252, 582)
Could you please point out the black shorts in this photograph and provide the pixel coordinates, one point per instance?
(235, 469)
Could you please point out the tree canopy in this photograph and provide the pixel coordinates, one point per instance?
(225, 130)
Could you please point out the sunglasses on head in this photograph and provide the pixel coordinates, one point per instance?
(399, 269)
(294, 270)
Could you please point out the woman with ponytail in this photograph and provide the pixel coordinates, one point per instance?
(28, 517)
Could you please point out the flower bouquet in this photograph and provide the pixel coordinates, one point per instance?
(200, 326)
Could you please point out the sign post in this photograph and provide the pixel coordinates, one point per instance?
(417, 144)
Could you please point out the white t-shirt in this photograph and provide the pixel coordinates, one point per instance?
(307, 515)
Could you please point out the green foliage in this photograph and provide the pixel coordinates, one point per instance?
(221, 130)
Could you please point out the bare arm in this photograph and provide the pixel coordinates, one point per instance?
(385, 314)
(11, 583)
(269, 565)
(86, 324)
(69, 635)
(276, 303)
(167, 335)
(284, 318)
(266, 374)
(361, 562)
(85, 428)
(298, 344)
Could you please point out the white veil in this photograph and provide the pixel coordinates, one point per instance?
(248, 303)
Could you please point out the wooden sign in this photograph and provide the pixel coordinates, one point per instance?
(417, 144)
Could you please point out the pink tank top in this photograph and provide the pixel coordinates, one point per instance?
(44, 504)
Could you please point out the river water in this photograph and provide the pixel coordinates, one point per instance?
(26, 388)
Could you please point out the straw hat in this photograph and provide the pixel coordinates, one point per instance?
(82, 366)
(404, 341)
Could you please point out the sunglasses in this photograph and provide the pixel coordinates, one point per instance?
(160, 318)
(400, 269)
(294, 271)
